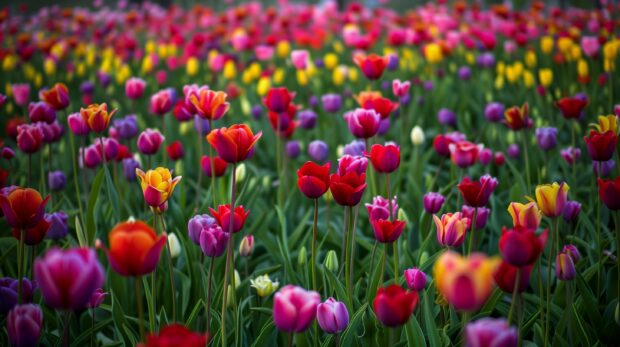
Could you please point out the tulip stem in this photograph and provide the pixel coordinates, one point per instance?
(514, 295)
(344, 252)
(92, 327)
(229, 253)
(209, 285)
(20, 265)
(549, 266)
(383, 262)
(472, 231)
(373, 187)
(527, 160)
(572, 128)
(66, 330)
(212, 163)
(316, 216)
(348, 268)
(139, 307)
(290, 340)
(171, 278)
(75, 176)
(598, 236)
(29, 169)
(352, 253)
(617, 220)
(153, 275)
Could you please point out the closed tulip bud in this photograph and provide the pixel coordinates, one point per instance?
(372, 66)
(464, 153)
(416, 279)
(417, 136)
(385, 159)
(432, 202)
(134, 88)
(129, 168)
(77, 124)
(313, 179)
(56, 180)
(174, 245)
(161, 102)
(571, 211)
(21, 93)
(97, 298)
(246, 246)
(494, 112)
(601, 146)
(301, 256)
(218, 164)
(264, 286)
(41, 112)
(24, 324)
(363, 123)
(525, 215)
(485, 156)
(213, 240)
(451, 229)
(331, 261)
(506, 276)
(307, 119)
(393, 305)
(565, 266)
(546, 138)
(240, 172)
(331, 102)
(149, 141)
(292, 149)
(482, 216)
(570, 155)
(332, 316)
(29, 138)
(477, 193)
(571, 107)
(318, 150)
(58, 227)
(294, 308)
(175, 150)
(446, 117)
(603, 168)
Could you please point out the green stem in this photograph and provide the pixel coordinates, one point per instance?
(75, 175)
(373, 187)
(549, 266)
(229, 254)
(514, 295)
(347, 266)
(171, 279)
(598, 237)
(352, 253)
(212, 163)
(154, 277)
(314, 224)
(395, 256)
(139, 307)
(527, 160)
(472, 231)
(66, 331)
(383, 262)
(209, 285)
(617, 215)
(20, 267)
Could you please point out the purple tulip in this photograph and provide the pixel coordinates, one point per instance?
(416, 279)
(29, 138)
(8, 293)
(196, 224)
(90, 157)
(354, 148)
(547, 138)
(318, 150)
(293, 149)
(428, 85)
(490, 332)
(58, 225)
(68, 278)
(41, 111)
(201, 125)
(332, 315)
(51, 132)
(571, 211)
(87, 87)
(464, 73)
(257, 112)
(134, 88)
(104, 78)
(127, 128)
(481, 218)
(384, 125)
(313, 101)
(77, 124)
(603, 168)
(494, 112)
(149, 141)
(97, 298)
(485, 156)
(129, 168)
(110, 148)
(331, 102)
(380, 208)
(307, 119)
(213, 241)
(56, 180)
(513, 151)
(393, 62)
(7, 153)
(363, 123)
(294, 308)
(446, 117)
(24, 324)
(486, 60)
(432, 202)
(565, 265)
(352, 163)
(571, 155)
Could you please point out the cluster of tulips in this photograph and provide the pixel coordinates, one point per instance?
(484, 225)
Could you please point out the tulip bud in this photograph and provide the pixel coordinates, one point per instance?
(174, 244)
(416, 279)
(56, 180)
(401, 215)
(331, 261)
(229, 297)
(565, 266)
(246, 246)
(432, 202)
(301, 256)
(264, 286)
(417, 136)
(24, 324)
(332, 316)
(318, 150)
(240, 172)
(97, 298)
(237, 279)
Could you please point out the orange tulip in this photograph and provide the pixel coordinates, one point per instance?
(97, 116)
(157, 185)
(233, 144)
(23, 207)
(210, 104)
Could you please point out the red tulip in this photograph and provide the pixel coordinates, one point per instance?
(347, 189)
(313, 179)
(601, 146)
(517, 118)
(175, 335)
(23, 207)
(385, 159)
(278, 99)
(175, 150)
(506, 275)
(57, 96)
(222, 217)
(33, 236)
(29, 138)
(372, 65)
(387, 231)
(218, 164)
(442, 142)
(477, 193)
(233, 144)
(521, 246)
(284, 123)
(374, 101)
(394, 305)
(609, 192)
(571, 107)
(464, 153)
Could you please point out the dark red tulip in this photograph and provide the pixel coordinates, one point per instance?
(175, 150)
(29, 138)
(222, 217)
(517, 118)
(218, 164)
(33, 236)
(442, 142)
(372, 65)
(571, 107)
(506, 275)
(601, 146)
(609, 192)
(23, 207)
(347, 189)
(175, 335)
(393, 305)
(477, 193)
(387, 231)
(278, 99)
(57, 96)
(313, 179)
(385, 159)
(521, 246)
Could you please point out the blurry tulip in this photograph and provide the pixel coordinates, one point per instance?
(400, 89)
(97, 117)
(601, 146)
(565, 266)
(129, 168)
(374, 101)
(464, 153)
(264, 286)
(446, 117)
(551, 198)
(385, 159)
(219, 164)
(127, 127)
(134, 88)
(278, 99)
(570, 155)
(546, 138)
(363, 123)
(506, 275)
(8, 293)
(393, 305)
(23, 325)
(482, 216)
(292, 149)
(294, 308)
(175, 335)
(442, 142)
(233, 144)
(161, 102)
(494, 112)
(417, 136)
(608, 192)
(332, 316)
(571, 211)
(432, 202)
(318, 150)
(331, 102)
(486, 332)
(525, 215)
(223, 218)
(41, 112)
(372, 66)
(517, 118)
(96, 299)
(29, 138)
(300, 59)
(416, 279)
(68, 278)
(571, 107)
(90, 157)
(331, 261)
(451, 229)
(209, 104)
(57, 96)
(58, 227)
(175, 150)
(23, 208)
(174, 245)
(307, 119)
(56, 180)
(77, 124)
(21, 93)
(521, 246)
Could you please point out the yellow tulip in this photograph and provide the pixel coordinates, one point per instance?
(525, 215)
(157, 185)
(607, 123)
(545, 76)
(192, 66)
(530, 59)
(528, 79)
(352, 75)
(551, 198)
(278, 76)
(230, 70)
(582, 68)
(283, 49)
(302, 77)
(546, 44)
(330, 60)
(49, 66)
(263, 85)
(338, 76)
(433, 53)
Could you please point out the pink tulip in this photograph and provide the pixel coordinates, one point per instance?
(77, 124)
(149, 141)
(21, 93)
(300, 59)
(134, 88)
(590, 45)
(400, 89)
(294, 308)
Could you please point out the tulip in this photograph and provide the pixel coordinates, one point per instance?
(264, 286)
(129, 168)
(603, 168)
(56, 180)
(294, 308)
(514, 151)
(313, 179)
(393, 305)
(571, 107)
(482, 216)
(8, 293)
(209, 104)
(23, 325)
(442, 142)
(29, 138)
(363, 123)
(415, 278)
(506, 275)
(355, 148)
(233, 144)
(58, 227)
(400, 89)
(318, 150)
(465, 282)
(97, 117)
(175, 150)
(417, 136)
(331, 102)
(68, 278)
(525, 215)
(127, 127)
(90, 157)
(246, 246)
(307, 119)
(520, 246)
(21, 93)
(77, 124)
(174, 245)
(464, 153)
(332, 316)
(517, 118)
(432, 202)
(134, 88)
(608, 192)
(607, 123)
(57, 96)
(213, 241)
(551, 198)
(149, 141)
(157, 185)
(175, 335)
(486, 332)
(381, 207)
(387, 231)
(110, 148)
(292, 149)
(601, 146)
(451, 229)
(7, 153)
(23, 208)
(571, 211)
(385, 159)
(223, 218)
(476, 194)
(196, 224)
(372, 66)
(161, 102)
(546, 138)
(347, 189)
(41, 112)
(201, 125)
(219, 165)
(96, 299)
(299, 58)
(571, 155)
(374, 101)
(134, 248)
(278, 99)
(494, 112)
(565, 267)
(447, 117)
(331, 261)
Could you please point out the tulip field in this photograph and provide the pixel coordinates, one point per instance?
(285, 173)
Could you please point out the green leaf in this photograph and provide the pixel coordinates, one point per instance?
(80, 233)
(429, 320)
(112, 193)
(350, 332)
(90, 210)
(415, 337)
(339, 287)
(265, 333)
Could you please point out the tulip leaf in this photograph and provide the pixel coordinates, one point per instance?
(84, 337)
(351, 331)
(112, 193)
(79, 232)
(120, 322)
(339, 288)
(415, 337)
(90, 211)
(429, 319)
(192, 316)
(265, 335)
